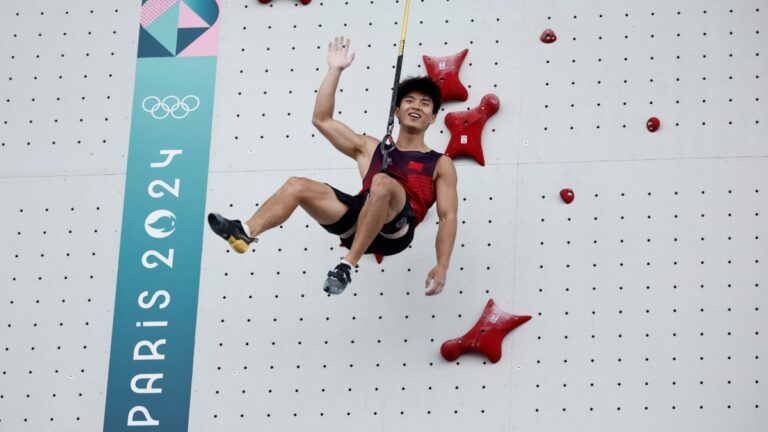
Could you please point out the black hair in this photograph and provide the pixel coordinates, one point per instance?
(423, 85)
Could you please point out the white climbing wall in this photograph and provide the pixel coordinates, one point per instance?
(648, 292)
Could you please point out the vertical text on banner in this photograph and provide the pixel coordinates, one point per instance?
(153, 330)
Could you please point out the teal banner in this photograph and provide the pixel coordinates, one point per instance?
(153, 331)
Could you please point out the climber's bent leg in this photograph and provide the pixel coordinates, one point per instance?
(394, 237)
(317, 199)
(390, 238)
(385, 201)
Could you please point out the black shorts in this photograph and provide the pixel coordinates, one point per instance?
(381, 245)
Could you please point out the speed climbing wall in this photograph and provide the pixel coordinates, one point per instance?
(647, 292)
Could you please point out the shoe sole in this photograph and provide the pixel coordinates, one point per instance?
(238, 245)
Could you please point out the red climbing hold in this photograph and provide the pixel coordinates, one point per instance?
(444, 71)
(653, 124)
(486, 336)
(548, 36)
(467, 127)
(304, 2)
(567, 195)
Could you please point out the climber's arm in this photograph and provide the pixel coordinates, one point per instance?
(447, 207)
(340, 135)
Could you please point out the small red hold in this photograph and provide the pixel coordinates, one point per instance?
(467, 128)
(567, 195)
(444, 71)
(304, 2)
(548, 36)
(653, 124)
(486, 336)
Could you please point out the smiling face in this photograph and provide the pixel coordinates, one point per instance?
(415, 111)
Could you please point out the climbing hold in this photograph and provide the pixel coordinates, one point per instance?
(467, 127)
(567, 195)
(486, 336)
(653, 124)
(548, 36)
(304, 2)
(379, 258)
(444, 71)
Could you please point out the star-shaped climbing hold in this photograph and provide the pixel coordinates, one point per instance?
(444, 71)
(467, 127)
(486, 336)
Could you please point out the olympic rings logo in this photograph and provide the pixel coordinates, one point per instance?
(170, 105)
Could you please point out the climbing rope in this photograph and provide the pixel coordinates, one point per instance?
(387, 143)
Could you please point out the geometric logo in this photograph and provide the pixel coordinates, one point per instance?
(183, 28)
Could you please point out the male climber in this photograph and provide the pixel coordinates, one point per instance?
(382, 217)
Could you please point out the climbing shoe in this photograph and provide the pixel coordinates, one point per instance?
(232, 231)
(338, 279)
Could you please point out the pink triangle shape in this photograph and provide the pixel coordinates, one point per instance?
(189, 19)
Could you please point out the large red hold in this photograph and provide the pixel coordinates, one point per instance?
(467, 127)
(486, 336)
(444, 71)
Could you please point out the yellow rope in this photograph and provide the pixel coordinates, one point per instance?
(405, 26)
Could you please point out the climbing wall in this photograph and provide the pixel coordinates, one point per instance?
(647, 293)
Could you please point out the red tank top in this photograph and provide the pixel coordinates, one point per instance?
(414, 171)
